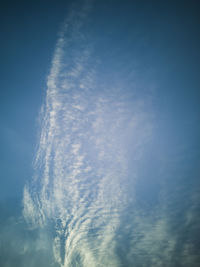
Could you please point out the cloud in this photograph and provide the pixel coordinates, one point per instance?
(96, 137)
(20, 246)
(81, 176)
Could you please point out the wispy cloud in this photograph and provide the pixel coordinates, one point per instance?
(83, 165)
(92, 138)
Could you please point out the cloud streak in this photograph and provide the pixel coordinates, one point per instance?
(81, 161)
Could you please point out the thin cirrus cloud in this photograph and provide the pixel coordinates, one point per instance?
(81, 163)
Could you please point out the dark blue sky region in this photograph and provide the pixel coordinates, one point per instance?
(144, 56)
(28, 37)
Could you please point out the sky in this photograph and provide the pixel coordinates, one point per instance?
(29, 32)
(99, 133)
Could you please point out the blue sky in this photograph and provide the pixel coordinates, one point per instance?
(117, 152)
(28, 38)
